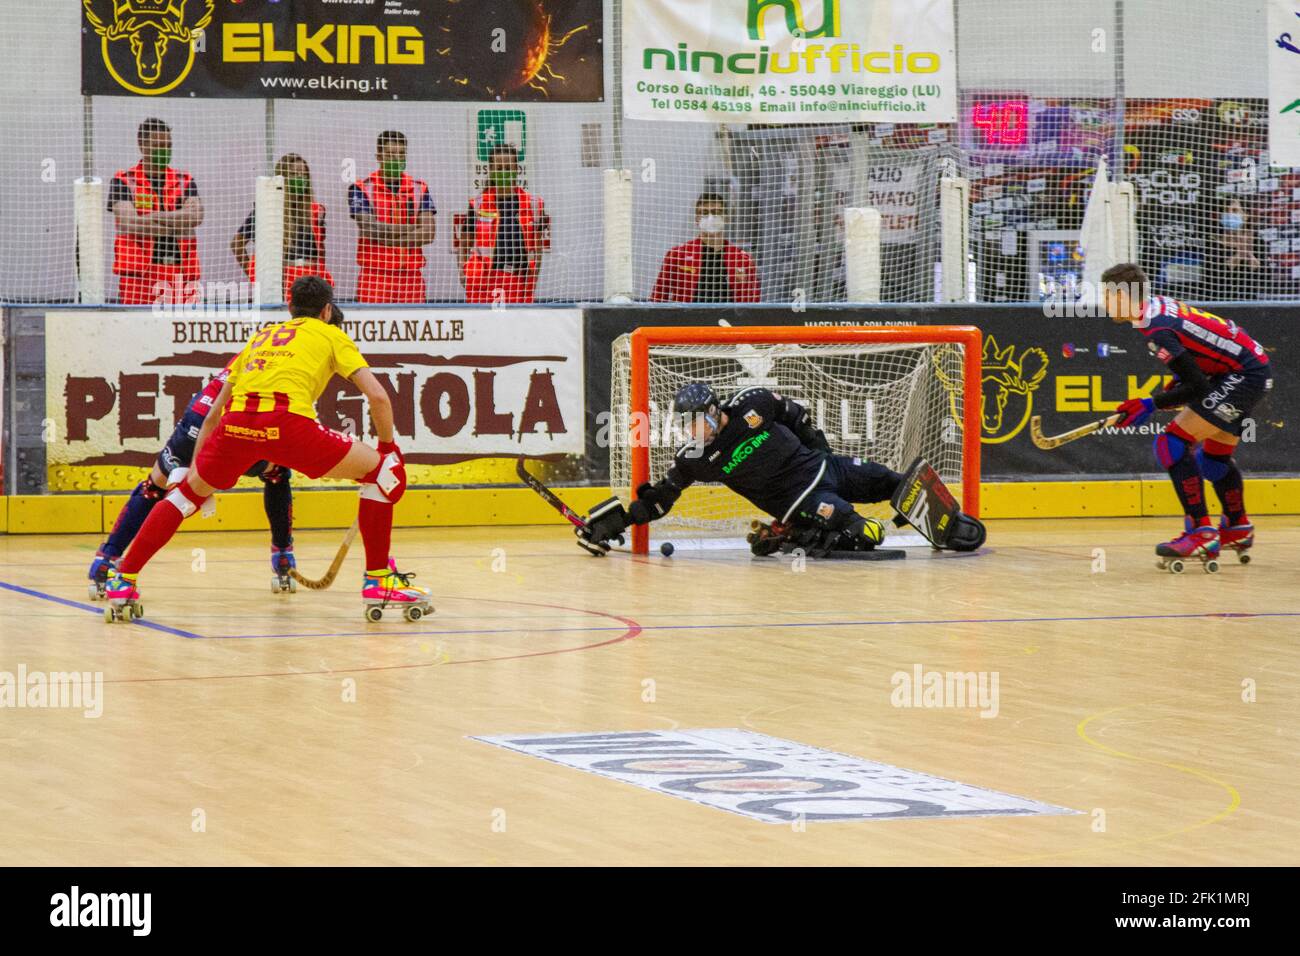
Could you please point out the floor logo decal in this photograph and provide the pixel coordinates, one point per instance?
(767, 778)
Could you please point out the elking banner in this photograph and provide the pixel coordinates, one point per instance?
(1284, 82)
(790, 61)
(516, 50)
(464, 384)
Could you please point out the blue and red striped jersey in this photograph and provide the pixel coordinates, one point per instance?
(1217, 345)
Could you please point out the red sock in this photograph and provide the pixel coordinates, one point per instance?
(156, 531)
(375, 519)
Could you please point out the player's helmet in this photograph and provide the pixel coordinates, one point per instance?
(696, 398)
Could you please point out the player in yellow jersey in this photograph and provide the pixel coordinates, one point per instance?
(268, 412)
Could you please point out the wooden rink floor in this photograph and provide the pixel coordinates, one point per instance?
(241, 727)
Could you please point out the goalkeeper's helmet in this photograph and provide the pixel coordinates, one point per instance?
(693, 401)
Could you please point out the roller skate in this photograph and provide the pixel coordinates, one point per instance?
(123, 600)
(766, 539)
(1200, 542)
(281, 562)
(393, 588)
(101, 569)
(1238, 537)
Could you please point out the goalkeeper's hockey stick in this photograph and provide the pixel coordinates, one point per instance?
(332, 573)
(552, 499)
(1047, 442)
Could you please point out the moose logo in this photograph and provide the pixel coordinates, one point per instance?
(148, 45)
(1007, 383)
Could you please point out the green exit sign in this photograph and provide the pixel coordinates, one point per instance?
(501, 126)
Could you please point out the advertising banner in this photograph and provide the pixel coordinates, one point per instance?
(790, 61)
(1283, 81)
(377, 50)
(1069, 371)
(465, 384)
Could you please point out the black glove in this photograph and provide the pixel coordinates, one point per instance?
(651, 503)
(607, 520)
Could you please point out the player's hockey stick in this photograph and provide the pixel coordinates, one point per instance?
(1056, 441)
(332, 573)
(552, 499)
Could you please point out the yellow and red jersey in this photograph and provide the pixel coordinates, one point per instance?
(285, 367)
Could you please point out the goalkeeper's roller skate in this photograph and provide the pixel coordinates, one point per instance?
(766, 539)
(1200, 543)
(101, 569)
(393, 588)
(122, 599)
(1239, 537)
(281, 561)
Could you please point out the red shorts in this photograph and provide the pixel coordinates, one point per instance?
(390, 287)
(242, 438)
(164, 284)
(482, 282)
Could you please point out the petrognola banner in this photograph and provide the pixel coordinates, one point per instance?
(1284, 82)
(790, 61)
(465, 384)
(377, 50)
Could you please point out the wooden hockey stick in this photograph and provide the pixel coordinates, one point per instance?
(332, 573)
(1056, 441)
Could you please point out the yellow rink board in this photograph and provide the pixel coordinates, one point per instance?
(464, 507)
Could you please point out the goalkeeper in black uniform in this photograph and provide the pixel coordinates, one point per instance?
(765, 448)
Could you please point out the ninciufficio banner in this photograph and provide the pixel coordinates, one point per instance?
(465, 384)
(790, 61)
(484, 50)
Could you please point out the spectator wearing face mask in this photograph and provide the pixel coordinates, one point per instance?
(395, 220)
(155, 211)
(304, 228)
(500, 240)
(708, 268)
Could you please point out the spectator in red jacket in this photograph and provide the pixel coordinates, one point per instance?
(708, 268)
(155, 210)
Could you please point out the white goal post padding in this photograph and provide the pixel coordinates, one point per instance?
(884, 393)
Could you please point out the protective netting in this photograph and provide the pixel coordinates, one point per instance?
(888, 402)
(1172, 92)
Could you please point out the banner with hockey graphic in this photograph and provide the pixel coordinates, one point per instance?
(790, 61)
(465, 384)
(1284, 82)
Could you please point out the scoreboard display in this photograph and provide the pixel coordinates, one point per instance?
(1033, 129)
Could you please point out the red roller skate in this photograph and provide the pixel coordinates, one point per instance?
(1239, 537)
(1200, 542)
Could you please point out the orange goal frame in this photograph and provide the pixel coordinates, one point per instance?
(967, 335)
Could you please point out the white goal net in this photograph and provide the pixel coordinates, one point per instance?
(887, 401)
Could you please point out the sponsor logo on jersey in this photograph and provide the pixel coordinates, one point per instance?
(753, 419)
(252, 434)
(826, 510)
(744, 450)
(1210, 338)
